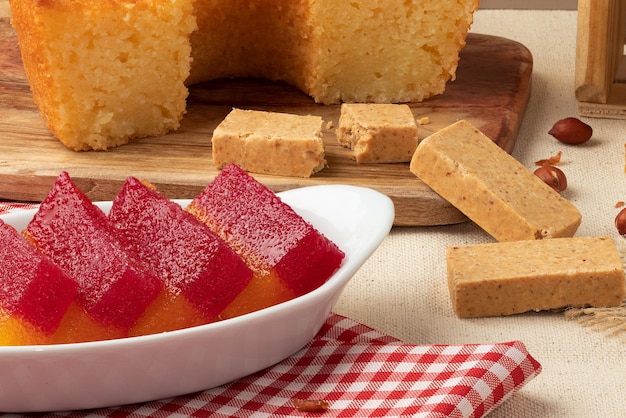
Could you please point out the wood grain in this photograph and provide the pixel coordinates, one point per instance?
(491, 91)
(599, 86)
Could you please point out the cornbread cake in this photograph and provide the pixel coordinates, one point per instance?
(336, 51)
(513, 277)
(491, 187)
(378, 133)
(105, 71)
(270, 143)
(287, 255)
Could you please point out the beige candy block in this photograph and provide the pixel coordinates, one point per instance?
(378, 133)
(270, 143)
(491, 187)
(513, 277)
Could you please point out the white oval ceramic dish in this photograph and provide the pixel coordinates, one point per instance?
(139, 369)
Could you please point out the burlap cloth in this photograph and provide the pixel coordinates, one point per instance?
(402, 290)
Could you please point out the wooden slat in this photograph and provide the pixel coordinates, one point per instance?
(601, 34)
(594, 76)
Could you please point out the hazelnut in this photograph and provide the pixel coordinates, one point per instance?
(553, 177)
(571, 131)
(620, 222)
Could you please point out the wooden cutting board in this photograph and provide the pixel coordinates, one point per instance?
(491, 91)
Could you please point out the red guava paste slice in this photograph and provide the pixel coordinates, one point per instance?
(201, 273)
(287, 254)
(35, 294)
(115, 288)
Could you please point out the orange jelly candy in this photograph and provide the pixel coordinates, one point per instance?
(288, 256)
(201, 273)
(114, 287)
(35, 294)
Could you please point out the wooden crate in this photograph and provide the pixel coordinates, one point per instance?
(600, 64)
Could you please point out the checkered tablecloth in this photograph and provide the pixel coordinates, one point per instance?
(358, 372)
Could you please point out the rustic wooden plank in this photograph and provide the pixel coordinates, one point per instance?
(600, 61)
(491, 90)
(593, 76)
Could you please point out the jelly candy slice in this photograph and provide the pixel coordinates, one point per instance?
(288, 255)
(35, 294)
(115, 288)
(201, 273)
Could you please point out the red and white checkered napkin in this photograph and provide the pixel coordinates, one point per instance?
(362, 373)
